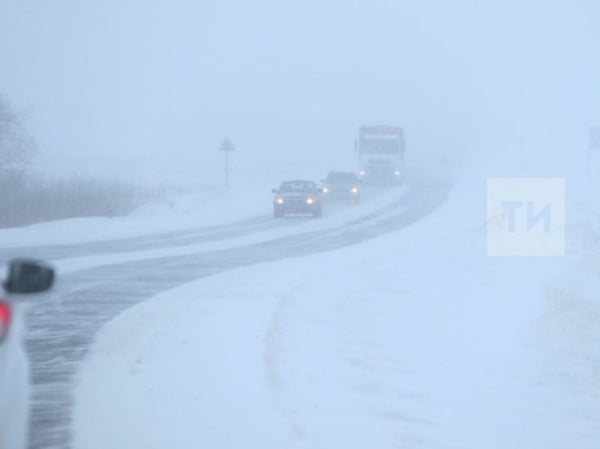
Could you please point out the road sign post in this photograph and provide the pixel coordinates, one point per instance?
(227, 148)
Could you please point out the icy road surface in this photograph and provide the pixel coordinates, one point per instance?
(99, 280)
(414, 339)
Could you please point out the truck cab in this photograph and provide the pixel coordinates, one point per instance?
(380, 151)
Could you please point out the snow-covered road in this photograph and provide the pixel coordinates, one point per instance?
(382, 325)
(100, 280)
(414, 339)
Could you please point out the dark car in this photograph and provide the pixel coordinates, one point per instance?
(297, 197)
(344, 186)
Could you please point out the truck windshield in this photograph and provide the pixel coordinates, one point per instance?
(379, 146)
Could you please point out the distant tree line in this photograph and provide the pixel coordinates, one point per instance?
(27, 198)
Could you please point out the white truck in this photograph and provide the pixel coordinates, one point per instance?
(380, 151)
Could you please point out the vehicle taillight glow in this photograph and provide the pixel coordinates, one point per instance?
(4, 319)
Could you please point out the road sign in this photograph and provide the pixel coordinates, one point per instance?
(226, 145)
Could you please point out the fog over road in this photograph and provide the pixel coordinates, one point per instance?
(62, 325)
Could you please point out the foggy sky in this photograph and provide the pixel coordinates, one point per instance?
(162, 82)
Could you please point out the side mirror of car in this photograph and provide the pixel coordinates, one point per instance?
(274, 190)
(28, 276)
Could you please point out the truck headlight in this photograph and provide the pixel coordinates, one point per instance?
(397, 172)
(279, 200)
(354, 190)
(362, 173)
(325, 190)
(309, 201)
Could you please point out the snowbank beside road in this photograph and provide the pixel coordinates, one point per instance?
(165, 215)
(377, 209)
(416, 339)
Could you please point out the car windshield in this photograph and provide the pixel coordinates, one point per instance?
(297, 186)
(341, 178)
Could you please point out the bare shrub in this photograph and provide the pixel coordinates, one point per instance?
(16, 145)
(28, 199)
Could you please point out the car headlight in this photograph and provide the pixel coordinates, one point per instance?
(309, 201)
(325, 190)
(354, 190)
(279, 200)
(397, 172)
(362, 173)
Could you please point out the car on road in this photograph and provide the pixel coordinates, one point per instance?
(298, 197)
(343, 186)
(24, 276)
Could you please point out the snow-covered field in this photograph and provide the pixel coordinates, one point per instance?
(200, 321)
(415, 339)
